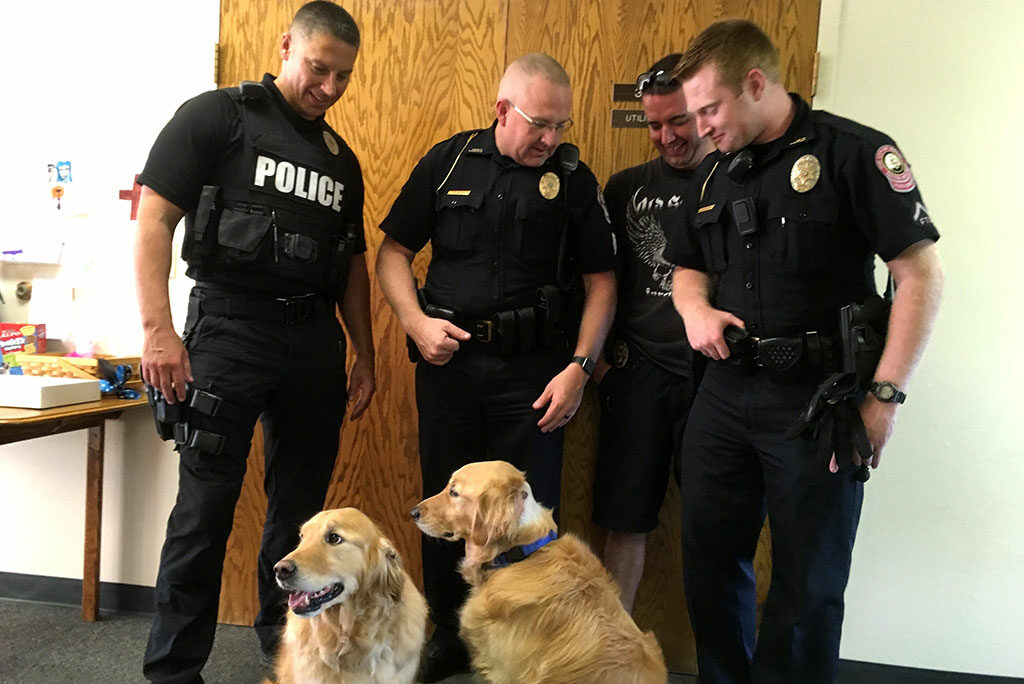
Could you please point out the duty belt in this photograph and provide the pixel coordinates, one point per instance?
(518, 330)
(784, 358)
(287, 310)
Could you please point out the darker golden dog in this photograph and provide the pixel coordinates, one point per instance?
(551, 617)
(356, 617)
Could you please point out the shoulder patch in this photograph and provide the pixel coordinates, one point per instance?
(895, 168)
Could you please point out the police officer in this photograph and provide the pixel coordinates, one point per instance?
(273, 203)
(646, 394)
(785, 219)
(508, 212)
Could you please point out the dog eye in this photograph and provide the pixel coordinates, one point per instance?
(334, 538)
(452, 493)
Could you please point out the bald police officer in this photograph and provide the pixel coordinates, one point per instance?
(510, 214)
(785, 219)
(273, 201)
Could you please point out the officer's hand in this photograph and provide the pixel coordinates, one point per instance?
(165, 363)
(362, 383)
(704, 327)
(562, 396)
(437, 339)
(878, 418)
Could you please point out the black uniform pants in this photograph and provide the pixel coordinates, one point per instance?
(294, 376)
(478, 407)
(737, 466)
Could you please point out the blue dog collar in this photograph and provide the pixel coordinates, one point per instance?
(518, 553)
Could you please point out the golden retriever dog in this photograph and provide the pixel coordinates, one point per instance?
(541, 609)
(356, 617)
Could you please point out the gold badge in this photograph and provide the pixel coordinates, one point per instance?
(331, 143)
(805, 173)
(549, 185)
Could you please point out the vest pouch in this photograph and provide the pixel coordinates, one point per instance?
(539, 228)
(341, 257)
(201, 225)
(242, 236)
(711, 233)
(805, 237)
(457, 219)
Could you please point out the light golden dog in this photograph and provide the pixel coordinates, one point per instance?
(356, 617)
(552, 618)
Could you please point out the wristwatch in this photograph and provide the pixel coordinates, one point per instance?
(887, 392)
(586, 363)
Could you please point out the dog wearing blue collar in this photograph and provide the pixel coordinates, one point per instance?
(541, 607)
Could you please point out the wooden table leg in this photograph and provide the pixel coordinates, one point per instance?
(93, 517)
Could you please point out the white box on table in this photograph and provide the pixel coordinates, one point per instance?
(39, 392)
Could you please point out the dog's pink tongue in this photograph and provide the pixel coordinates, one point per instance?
(298, 598)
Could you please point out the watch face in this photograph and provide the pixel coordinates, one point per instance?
(885, 391)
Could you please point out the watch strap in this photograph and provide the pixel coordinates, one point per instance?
(585, 362)
(898, 397)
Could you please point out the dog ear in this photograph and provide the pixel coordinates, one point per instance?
(496, 515)
(389, 570)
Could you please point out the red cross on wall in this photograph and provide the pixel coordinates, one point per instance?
(132, 195)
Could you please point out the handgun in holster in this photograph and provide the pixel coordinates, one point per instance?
(432, 310)
(166, 414)
(862, 332)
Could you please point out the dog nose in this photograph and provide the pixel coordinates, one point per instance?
(284, 569)
(415, 513)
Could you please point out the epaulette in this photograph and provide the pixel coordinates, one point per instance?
(849, 127)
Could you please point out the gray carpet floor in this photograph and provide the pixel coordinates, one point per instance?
(50, 644)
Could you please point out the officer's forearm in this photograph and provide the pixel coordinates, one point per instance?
(355, 308)
(598, 313)
(157, 219)
(397, 282)
(919, 280)
(691, 289)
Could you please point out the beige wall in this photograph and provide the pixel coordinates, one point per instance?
(938, 572)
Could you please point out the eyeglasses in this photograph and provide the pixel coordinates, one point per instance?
(541, 124)
(649, 78)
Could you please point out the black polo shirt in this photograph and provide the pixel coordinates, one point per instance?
(495, 226)
(819, 203)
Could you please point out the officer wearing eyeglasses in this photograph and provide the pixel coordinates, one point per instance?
(780, 236)
(512, 217)
(647, 390)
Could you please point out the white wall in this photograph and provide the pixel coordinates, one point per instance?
(938, 572)
(92, 83)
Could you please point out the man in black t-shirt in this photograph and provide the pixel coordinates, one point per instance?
(273, 202)
(510, 215)
(780, 235)
(647, 389)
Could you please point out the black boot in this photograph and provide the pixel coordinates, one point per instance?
(444, 655)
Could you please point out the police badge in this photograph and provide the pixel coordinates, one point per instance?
(549, 185)
(331, 143)
(805, 173)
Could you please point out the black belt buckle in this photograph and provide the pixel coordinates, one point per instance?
(296, 309)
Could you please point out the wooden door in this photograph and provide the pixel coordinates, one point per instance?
(429, 68)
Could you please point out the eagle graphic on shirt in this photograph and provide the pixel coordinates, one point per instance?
(646, 237)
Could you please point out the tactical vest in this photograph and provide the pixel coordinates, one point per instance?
(276, 206)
